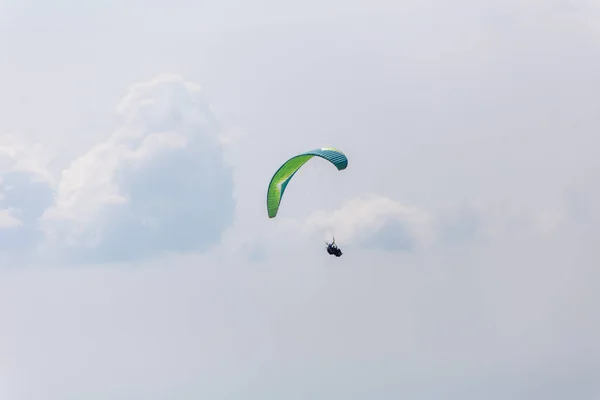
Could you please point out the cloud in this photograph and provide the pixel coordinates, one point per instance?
(26, 190)
(24, 199)
(374, 221)
(19, 155)
(379, 222)
(158, 183)
(7, 218)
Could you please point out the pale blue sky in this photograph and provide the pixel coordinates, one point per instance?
(137, 259)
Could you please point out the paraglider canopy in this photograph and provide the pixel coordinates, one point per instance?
(286, 172)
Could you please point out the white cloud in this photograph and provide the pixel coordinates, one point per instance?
(374, 220)
(26, 187)
(8, 219)
(19, 155)
(160, 177)
(377, 221)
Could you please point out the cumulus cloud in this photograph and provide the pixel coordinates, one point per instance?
(19, 155)
(7, 218)
(379, 222)
(26, 189)
(374, 221)
(158, 183)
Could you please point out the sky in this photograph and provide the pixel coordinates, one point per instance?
(137, 140)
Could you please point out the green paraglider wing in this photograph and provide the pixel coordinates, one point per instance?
(284, 174)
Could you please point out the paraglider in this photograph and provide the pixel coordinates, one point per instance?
(288, 169)
(333, 250)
